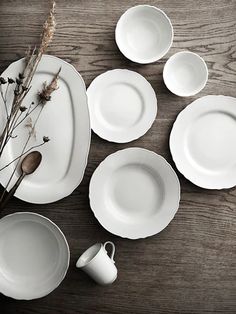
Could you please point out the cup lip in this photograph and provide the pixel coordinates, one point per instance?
(140, 60)
(78, 266)
(194, 92)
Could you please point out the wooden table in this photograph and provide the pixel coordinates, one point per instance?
(190, 267)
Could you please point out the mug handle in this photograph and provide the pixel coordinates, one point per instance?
(113, 249)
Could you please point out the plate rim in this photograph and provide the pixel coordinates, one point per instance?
(148, 234)
(67, 250)
(178, 166)
(85, 159)
(151, 121)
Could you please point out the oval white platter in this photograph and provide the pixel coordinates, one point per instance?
(65, 120)
(203, 142)
(34, 256)
(122, 105)
(134, 193)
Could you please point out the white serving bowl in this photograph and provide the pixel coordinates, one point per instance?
(34, 256)
(144, 34)
(185, 74)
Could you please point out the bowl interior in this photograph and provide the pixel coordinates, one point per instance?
(185, 74)
(34, 256)
(144, 34)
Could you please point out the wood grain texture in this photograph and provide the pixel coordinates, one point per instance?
(190, 267)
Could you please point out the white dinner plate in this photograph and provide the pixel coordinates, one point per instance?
(134, 193)
(122, 105)
(65, 120)
(34, 256)
(203, 142)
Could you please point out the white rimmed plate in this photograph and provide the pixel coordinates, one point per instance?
(203, 142)
(144, 34)
(134, 193)
(122, 105)
(65, 119)
(34, 256)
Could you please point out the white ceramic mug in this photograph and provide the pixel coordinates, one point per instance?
(97, 264)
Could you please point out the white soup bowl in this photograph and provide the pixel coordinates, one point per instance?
(185, 74)
(144, 34)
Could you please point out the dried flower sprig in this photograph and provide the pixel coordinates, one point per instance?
(48, 29)
(47, 91)
(33, 58)
(17, 112)
(22, 83)
(45, 94)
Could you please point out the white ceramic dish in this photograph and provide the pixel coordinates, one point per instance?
(34, 256)
(134, 193)
(144, 34)
(202, 142)
(122, 105)
(65, 119)
(185, 73)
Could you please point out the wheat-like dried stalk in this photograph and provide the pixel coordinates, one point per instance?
(24, 80)
(34, 58)
(48, 29)
(22, 87)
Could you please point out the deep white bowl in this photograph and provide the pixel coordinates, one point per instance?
(34, 256)
(144, 34)
(185, 73)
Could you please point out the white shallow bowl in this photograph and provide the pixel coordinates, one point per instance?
(122, 105)
(144, 34)
(134, 193)
(185, 73)
(34, 256)
(203, 142)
